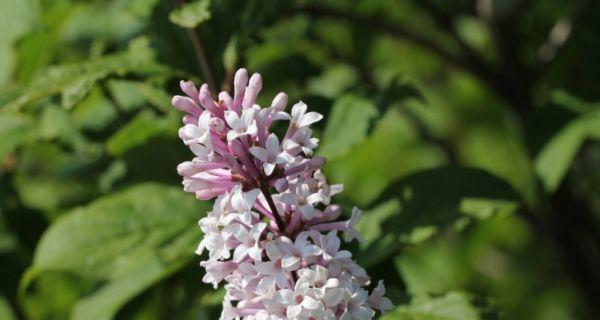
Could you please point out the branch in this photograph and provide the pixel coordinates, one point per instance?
(265, 191)
(201, 57)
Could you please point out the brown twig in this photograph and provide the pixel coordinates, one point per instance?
(265, 191)
(201, 57)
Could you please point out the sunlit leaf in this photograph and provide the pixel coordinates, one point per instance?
(14, 130)
(74, 80)
(427, 201)
(49, 178)
(6, 311)
(144, 127)
(554, 160)
(16, 18)
(114, 234)
(452, 306)
(103, 304)
(348, 124)
(333, 82)
(94, 113)
(390, 152)
(190, 15)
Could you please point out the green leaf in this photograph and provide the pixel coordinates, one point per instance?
(554, 160)
(74, 92)
(452, 306)
(390, 152)
(6, 312)
(73, 81)
(334, 81)
(431, 200)
(56, 124)
(115, 234)
(435, 197)
(14, 130)
(141, 129)
(48, 178)
(53, 295)
(501, 152)
(190, 15)
(132, 239)
(104, 304)
(126, 94)
(102, 20)
(230, 54)
(348, 124)
(94, 113)
(17, 17)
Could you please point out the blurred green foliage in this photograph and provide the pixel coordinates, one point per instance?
(467, 130)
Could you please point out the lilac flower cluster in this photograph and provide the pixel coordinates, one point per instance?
(272, 235)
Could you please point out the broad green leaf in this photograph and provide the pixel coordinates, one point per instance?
(348, 124)
(377, 244)
(132, 95)
(126, 94)
(17, 17)
(433, 267)
(119, 233)
(74, 80)
(14, 130)
(502, 153)
(333, 82)
(74, 92)
(554, 160)
(141, 8)
(104, 304)
(48, 178)
(102, 20)
(390, 152)
(437, 197)
(116, 171)
(190, 15)
(94, 113)
(56, 123)
(141, 129)
(433, 199)
(53, 295)
(452, 306)
(474, 32)
(6, 312)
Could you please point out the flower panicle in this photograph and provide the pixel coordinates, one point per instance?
(273, 235)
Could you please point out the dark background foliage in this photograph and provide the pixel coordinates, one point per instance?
(467, 129)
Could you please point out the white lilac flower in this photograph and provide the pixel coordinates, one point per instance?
(300, 300)
(302, 119)
(249, 241)
(277, 252)
(302, 198)
(272, 155)
(295, 253)
(378, 301)
(196, 133)
(240, 126)
(301, 140)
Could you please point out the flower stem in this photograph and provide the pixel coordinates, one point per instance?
(265, 191)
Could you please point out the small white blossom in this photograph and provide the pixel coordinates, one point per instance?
(302, 119)
(272, 155)
(240, 126)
